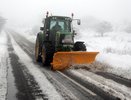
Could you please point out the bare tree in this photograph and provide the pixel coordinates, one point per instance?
(103, 27)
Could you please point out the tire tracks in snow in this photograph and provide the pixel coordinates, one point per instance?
(116, 78)
(28, 89)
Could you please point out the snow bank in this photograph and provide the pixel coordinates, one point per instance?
(119, 64)
(3, 66)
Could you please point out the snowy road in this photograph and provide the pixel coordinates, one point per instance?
(69, 85)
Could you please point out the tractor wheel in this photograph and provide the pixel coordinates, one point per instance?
(47, 54)
(79, 46)
(38, 50)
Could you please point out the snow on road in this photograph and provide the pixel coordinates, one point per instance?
(45, 85)
(3, 65)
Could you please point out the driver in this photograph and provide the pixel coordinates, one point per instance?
(56, 27)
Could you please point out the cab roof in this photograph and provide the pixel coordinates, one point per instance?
(59, 17)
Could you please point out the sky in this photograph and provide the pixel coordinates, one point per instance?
(25, 12)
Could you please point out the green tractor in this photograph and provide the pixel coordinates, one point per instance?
(56, 36)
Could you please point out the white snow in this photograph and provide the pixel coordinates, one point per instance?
(45, 85)
(114, 48)
(3, 66)
(119, 64)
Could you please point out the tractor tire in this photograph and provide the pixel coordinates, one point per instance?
(38, 50)
(79, 46)
(47, 54)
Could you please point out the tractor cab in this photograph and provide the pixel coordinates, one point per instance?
(58, 30)
(59, 23)
(62, 24)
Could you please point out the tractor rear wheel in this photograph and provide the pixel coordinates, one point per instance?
(79, 46)
(47, 54)
(37, 50)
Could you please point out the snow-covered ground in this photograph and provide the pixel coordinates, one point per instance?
(114, 48)
(3, 66)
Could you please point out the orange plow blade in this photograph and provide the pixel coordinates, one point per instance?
(63, 60)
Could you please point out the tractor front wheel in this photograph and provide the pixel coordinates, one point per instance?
(79, 46)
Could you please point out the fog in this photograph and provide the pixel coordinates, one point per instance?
(31, 12)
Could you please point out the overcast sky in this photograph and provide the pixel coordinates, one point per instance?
(31, 11)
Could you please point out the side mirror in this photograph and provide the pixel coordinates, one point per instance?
(78, 22)
(41, 28)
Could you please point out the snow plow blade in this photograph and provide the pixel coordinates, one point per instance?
(63, 60)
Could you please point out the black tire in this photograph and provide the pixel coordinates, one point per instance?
(79, 46)
(47, 53)
(38, 49)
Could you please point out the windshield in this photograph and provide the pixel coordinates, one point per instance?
(60, 24)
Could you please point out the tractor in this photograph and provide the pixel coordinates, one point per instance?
(55, 44)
